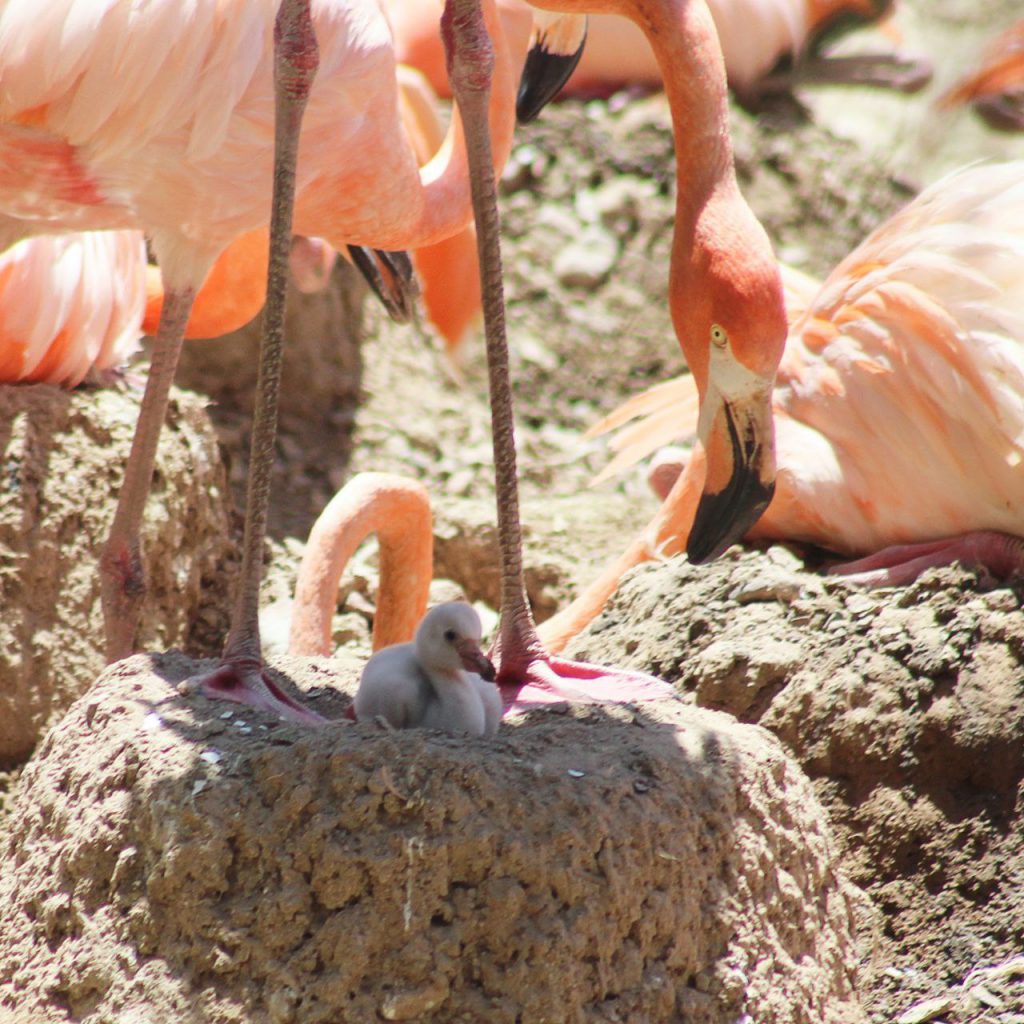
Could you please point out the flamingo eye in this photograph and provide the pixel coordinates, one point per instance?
(450, 635)
(718, 336)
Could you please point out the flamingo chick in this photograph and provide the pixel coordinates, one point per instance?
(442, 680)
(899, 404)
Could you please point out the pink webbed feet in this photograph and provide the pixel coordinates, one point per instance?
(530, 677)
(249, 683)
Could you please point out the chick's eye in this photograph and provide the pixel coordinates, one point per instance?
(718, 336)
(450, 635)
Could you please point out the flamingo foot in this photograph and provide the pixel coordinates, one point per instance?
(246, 682)
(1002, 554)
(547, 679)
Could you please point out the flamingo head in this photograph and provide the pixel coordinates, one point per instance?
(729, 315)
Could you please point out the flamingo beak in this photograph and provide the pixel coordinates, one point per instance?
(390, 276)
(739, 441)
(474, 659)
(555, 49)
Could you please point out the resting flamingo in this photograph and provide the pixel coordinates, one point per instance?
(161, 116)
(757, 36)
(996, 88)
(899, 405)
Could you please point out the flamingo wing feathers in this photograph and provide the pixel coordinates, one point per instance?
(69, 303)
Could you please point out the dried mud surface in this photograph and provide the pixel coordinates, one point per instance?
(904, 707)
(190, 864)
(62, 455)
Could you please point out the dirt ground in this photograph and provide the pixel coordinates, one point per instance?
(904, 707)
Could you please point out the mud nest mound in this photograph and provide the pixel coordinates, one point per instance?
(906, 709)
(186, 860)
(63, 463)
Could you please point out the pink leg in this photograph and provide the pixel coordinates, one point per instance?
(1001, 553)
(122, 583)
(527, 674)
(241, 676)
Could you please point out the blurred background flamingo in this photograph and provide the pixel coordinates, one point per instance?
(758, 37)
(995, 88)
(899, 403)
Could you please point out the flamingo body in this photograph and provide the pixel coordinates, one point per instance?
(117, 114)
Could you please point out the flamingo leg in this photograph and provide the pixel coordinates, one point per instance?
(241, 675)
(901, 73)
(122, 580)
(526, 673)
(1001, 553)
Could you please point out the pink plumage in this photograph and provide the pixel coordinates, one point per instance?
(70, 303)
(899, 402)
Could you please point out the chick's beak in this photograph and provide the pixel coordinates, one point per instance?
(474, 659)
(739, 441)
(555, 50)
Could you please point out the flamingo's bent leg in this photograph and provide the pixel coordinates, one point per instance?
(1002, 554)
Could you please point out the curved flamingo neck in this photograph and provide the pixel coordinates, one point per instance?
(397, 510)
(423, 207)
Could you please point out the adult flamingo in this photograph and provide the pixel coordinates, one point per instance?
(996, 88)
(899, 405)
(756, 36)
(725, 298)
(162, 116)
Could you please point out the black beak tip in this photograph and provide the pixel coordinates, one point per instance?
(543, 76)
(488, 673)
(722, 519)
